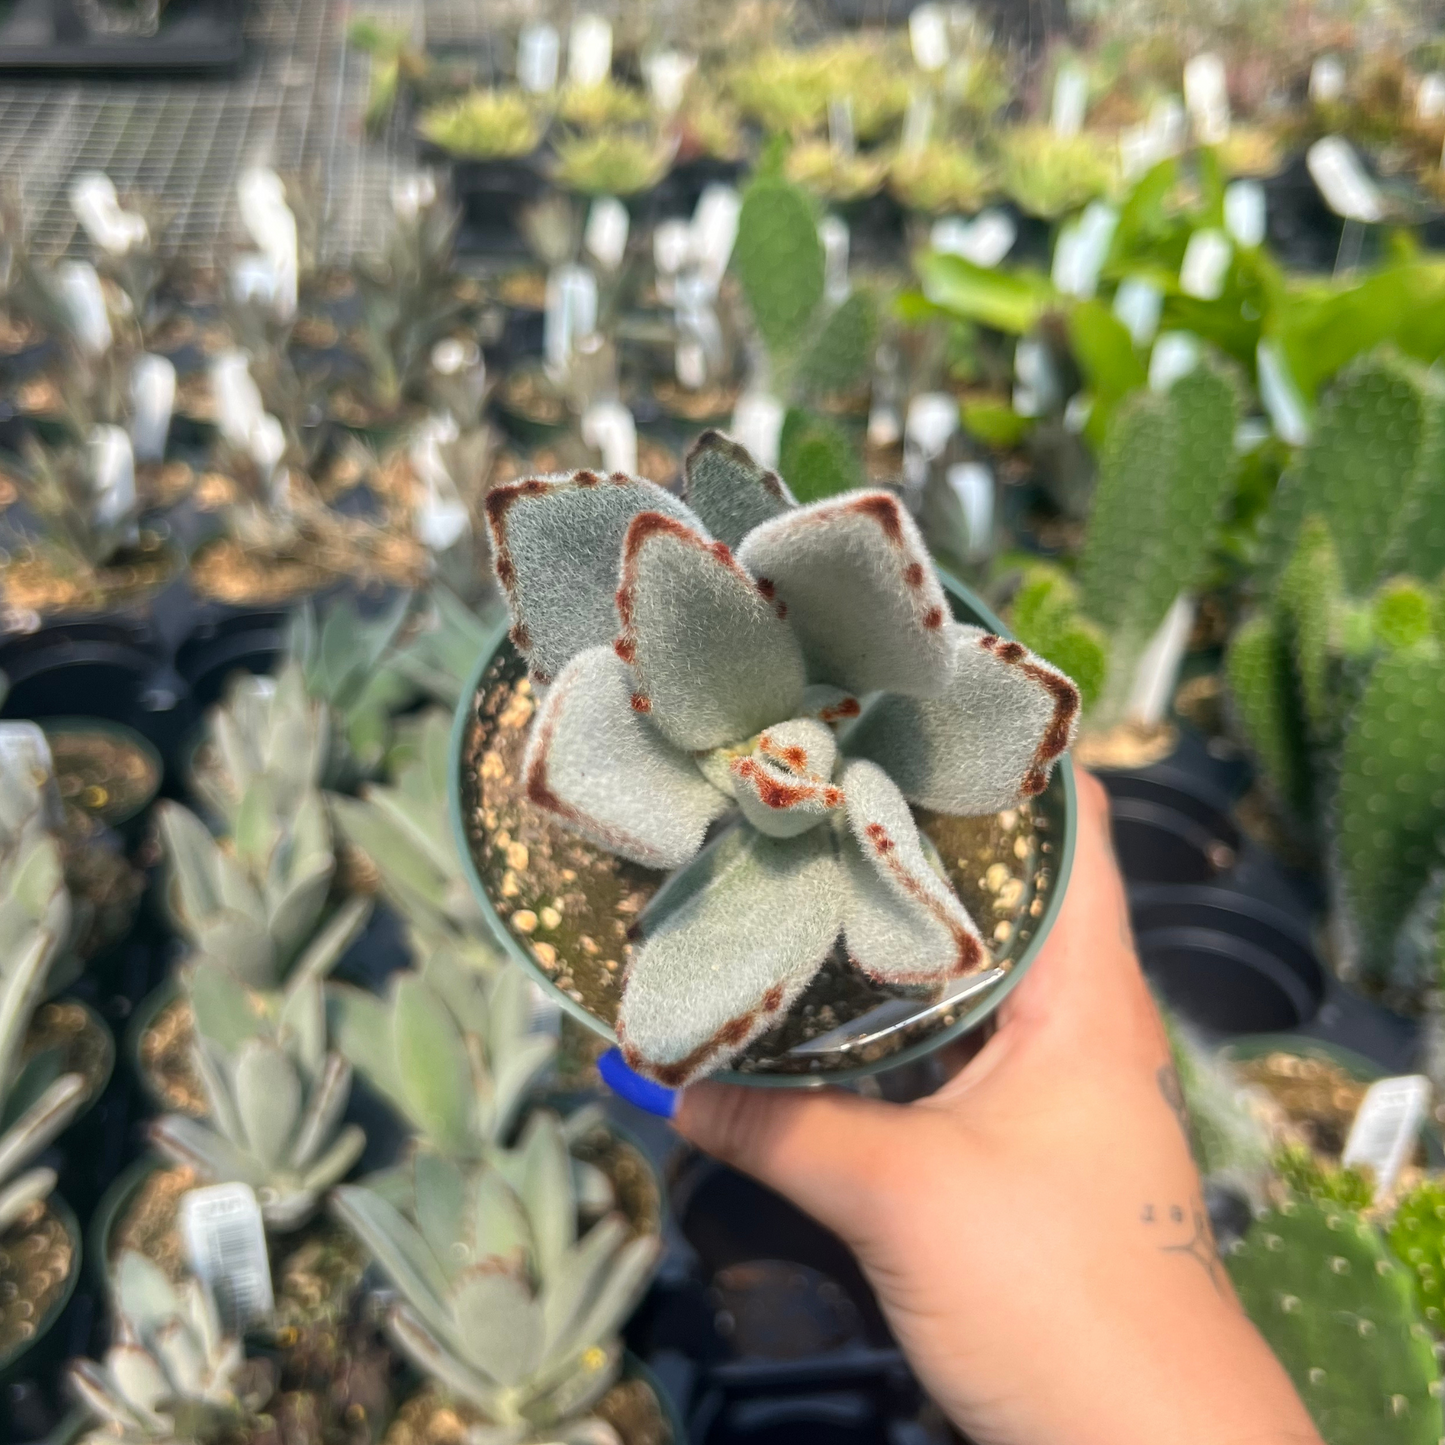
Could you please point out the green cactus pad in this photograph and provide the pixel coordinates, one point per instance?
(1266, 709)
(779, 261)
(1340, 1314)
(1417, 1235)
(1302, 1172)
(1045, 618)
(816, 457)
(1166, 470)
(842, 353)
(1418, 544)
(1308, 595)
(1390, 810)
(1403, 613)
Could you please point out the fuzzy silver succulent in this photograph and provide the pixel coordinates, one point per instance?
(501, 1300)
(701, 658)
(171, 1373)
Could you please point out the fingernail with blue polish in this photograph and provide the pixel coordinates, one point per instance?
(626, 1084)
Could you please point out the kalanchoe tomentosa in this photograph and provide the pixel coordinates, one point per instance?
(684, 679)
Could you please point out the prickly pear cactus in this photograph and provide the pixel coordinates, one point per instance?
(1418, 542)
(1302, 1172)
(1402, 614)
(1417, 1235)
(1306, 600)
(841, 354)
(1340, 1314)
(1265, 709)
(816, 456)
(779, 261)
(1390, 808)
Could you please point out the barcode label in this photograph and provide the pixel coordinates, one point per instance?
(1387, 1125)
(226, 1247)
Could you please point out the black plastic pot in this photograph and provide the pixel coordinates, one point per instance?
(1227, 962)
(99, 668)
(236, 641)
(492, 195)
(1170, 827)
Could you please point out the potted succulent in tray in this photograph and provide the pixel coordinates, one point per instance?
(696, 693)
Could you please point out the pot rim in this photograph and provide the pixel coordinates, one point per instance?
(73, 723)
(965, 1023)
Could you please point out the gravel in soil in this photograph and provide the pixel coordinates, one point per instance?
(105, 776)
(36, 1258)
(167, 1062)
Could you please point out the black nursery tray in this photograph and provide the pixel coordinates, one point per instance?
(50, 35)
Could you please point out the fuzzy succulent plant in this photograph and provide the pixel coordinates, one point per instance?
(275, 1095)
(698, 657)
(404, 830)
(34, 925)
(171, 1374)
(1341, 1315)
(502, 1301)
(450, 1050)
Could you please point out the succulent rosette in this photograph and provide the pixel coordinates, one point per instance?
(791, 674)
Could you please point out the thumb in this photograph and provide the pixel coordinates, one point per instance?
(821, 1148)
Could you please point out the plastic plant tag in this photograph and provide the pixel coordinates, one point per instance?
(1280, 394)
(236, 396)
(833, 233)
(1206, 97)
(884, 429)
(225, 1245)
(1080, 250)
(440, 517)
(714, 229)
(571, 313)
(589, 50)
(606, 234)
(1327, 79)
(1342, 181)
(917, 123)
(667, 73)
(1430, 97)
(1158, 667)
(984, 241)
(931, 422)
(689, 363)
(928, 36)
(539, 48)
(1245, 213)
(1038, 381)
(261, 197)
(671, 246)
(24, 747)
(114, 230)
(1175, 354)
(84, 304)
(1138, 304)
(1160, 136)
(1077, 411)
(544, 1013)
(972, 484)
(268, 446)
(758, 425)
(1071, 99)
(893, 1015)
(112, 473)
(152, 399)
(609, 426)
(412, 193)
(1386, 1127)
(1206, 264)
(840, 125)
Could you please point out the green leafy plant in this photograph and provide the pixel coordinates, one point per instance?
(1049, 175)
(938, 179)
(485, 125)
(744, 627)
(611, 163)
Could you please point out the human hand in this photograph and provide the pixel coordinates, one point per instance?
(1036, 1231)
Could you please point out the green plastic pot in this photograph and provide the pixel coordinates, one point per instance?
(1060, 798)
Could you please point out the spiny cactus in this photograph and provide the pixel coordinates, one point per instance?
(448, 1049)
(709, 679)
(1417, 1235)
(1341, 1315)
(171, 1374)
(34, 926)
(274, 1092)
(1302, 1172)
(500, 1301)
(1044, 615)
(405, 830)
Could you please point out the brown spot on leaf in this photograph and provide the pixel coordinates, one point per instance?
(881, 508)
(933, 619)
(521, 638)
(913, 574)
(878, 837)
(626, 649)
(641, 703)
(848, 707)
(1066, 708)
(767, 587)
(773, 999)
(773, 791)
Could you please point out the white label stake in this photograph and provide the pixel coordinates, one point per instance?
(1386, 1127)
(226, 1249)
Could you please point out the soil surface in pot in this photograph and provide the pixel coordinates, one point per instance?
(527, 393)
(100, 875)
(148, 1221)
(32, 584)
(85, 1046)
(167, 1062)
(571, 905)
(228, 572)
(1130, 745)
(104, 774)
(429, 1418)
(697, 406)
(37, 1255)
(638, 1197)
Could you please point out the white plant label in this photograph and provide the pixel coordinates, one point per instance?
(833, 233)
(1158, 668)
(1245, 213)
(1138, 304)
(1206, 264)
(1386, 1127)
(606, 234)
(1280, 394)
(96, 206)
(689, 363)
(1038, 389)
(671, 246)
(609, 426)
(152, 399)
(1081, 248)
(84, 303)
(1077, 411)
(1430, 97)
(236, 396)
(1327, 79)
(668, 73)
(539, 49)
(261, 197)
(1162, 135)
(1342, 180)
(225, 1242)
(884, 428)
(412, 194)
(984, 241)
(917, 123)
(1070, 101)
(24, 748)
(758, 426)
(840, 125)
(1175, 354)
(1206, 97)
(440, 516)
(571, 313)
(254, 278)
(928, 36)
(714, 230)
(972, 484)
(589, 50)
(931, 422)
